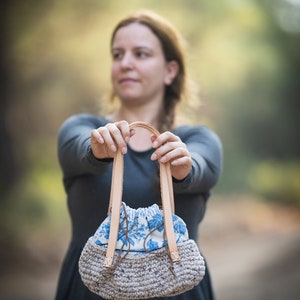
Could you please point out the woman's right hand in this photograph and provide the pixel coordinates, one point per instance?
(107, 139)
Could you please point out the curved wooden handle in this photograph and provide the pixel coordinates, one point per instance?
(116, 199)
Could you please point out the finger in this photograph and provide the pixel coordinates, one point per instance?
(165, 137)
(107, 137)
(166, 151)
(185, 160)
(132, 132)
(95, 135)
(125, 130)
(117, 136)
(175, 155)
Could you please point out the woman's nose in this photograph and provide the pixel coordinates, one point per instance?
(127, 61)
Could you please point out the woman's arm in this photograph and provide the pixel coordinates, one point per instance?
(206, 153)
(74, 146)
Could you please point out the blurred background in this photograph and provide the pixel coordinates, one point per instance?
(244, 56)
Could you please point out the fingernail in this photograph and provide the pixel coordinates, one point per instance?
(155, 144)
(124, 150)
(113, 148)
(153, 156)
(127, 139)
(163, 159)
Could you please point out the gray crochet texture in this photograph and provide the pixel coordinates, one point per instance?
(141, 276)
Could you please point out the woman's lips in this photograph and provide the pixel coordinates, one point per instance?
(127, 80)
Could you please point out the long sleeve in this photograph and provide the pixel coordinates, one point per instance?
(74, 151)
(206, 151)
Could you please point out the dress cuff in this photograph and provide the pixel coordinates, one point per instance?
(96, 161)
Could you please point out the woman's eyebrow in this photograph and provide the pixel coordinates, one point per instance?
(135, 48)
(116, 49)
(143, 48)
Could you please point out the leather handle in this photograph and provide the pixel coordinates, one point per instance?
(119, 173)
(167, 197)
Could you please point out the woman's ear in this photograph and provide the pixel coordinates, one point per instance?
(172, 69)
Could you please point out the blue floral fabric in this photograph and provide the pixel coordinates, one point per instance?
(141, 229)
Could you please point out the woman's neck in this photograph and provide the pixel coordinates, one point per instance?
(147, 115)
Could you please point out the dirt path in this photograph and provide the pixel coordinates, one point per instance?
(252, 250)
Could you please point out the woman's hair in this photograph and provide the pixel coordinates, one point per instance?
(172, 46)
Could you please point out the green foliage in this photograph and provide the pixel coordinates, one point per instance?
(37, 202)
(43, 188)
(277, 180)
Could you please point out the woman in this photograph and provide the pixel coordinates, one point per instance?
(149, 78)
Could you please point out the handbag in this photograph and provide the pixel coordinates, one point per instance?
(141, 253)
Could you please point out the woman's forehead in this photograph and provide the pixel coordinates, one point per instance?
(135, 34)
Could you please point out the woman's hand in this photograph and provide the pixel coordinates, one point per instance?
(170, 148)
(107, 139)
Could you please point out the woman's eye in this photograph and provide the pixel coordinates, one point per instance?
(141, 54)
(117, 55)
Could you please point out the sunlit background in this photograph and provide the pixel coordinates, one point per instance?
(244, 56)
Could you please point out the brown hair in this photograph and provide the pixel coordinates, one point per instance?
(172, 46)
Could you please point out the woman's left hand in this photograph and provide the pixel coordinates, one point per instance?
(170, 148)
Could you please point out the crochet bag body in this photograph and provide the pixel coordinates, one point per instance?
(141, 253)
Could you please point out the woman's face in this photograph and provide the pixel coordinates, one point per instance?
(139, 70)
